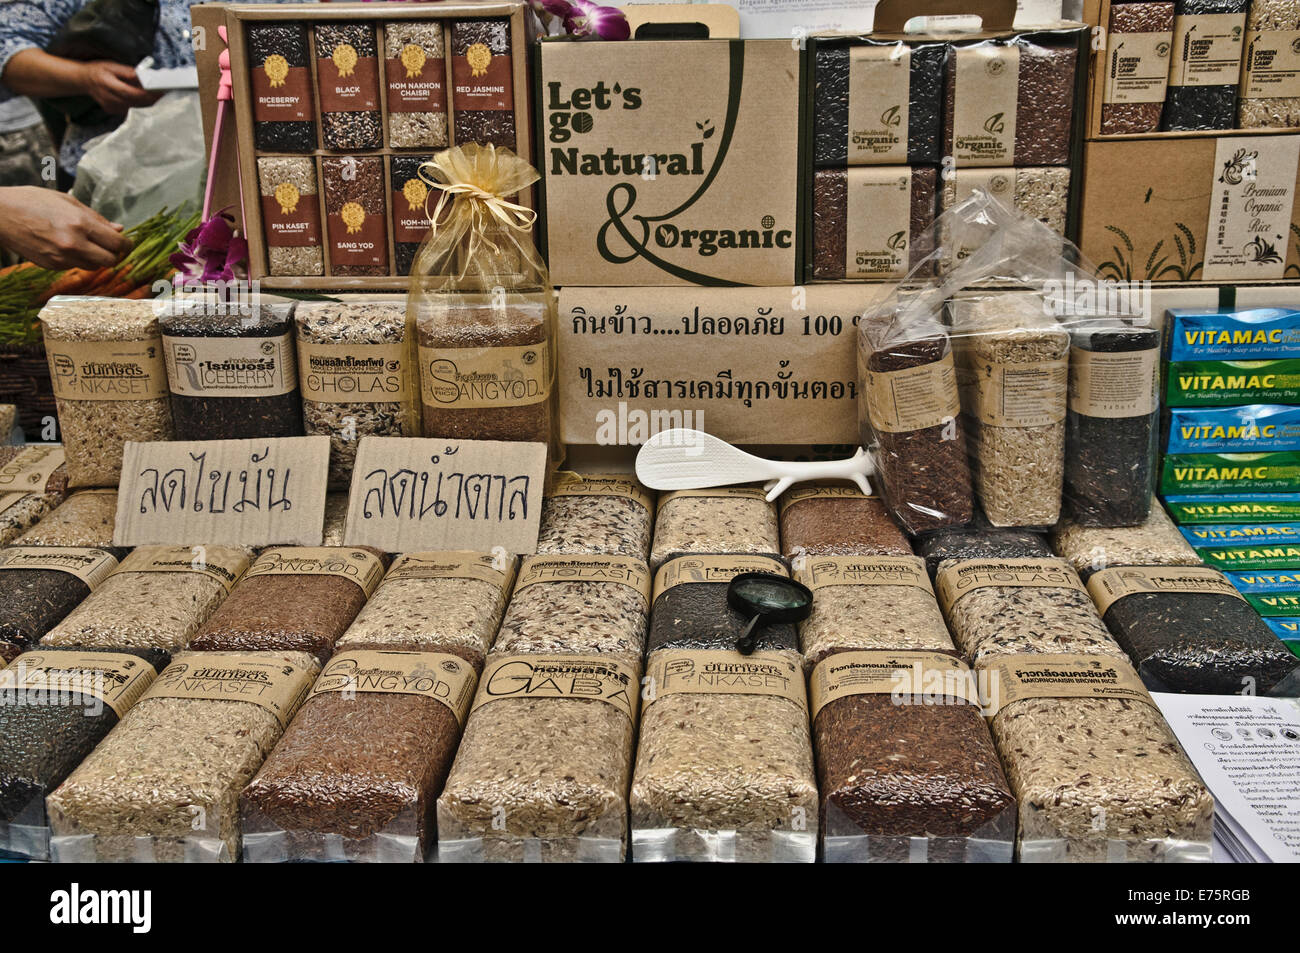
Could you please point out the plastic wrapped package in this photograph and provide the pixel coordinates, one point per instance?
(33, 481)
(1041, 192)
(1156, 542)
(356, 215)
(1270, 93)
(158, 597)
(436, 600)
(724, 768)
(872, 222)
(347, 77)
(998, 607)
(828, 520)
(357, 361)
(1097, 773)
(482, 93)
(729, 520)
(357, 774)
(905, 764)
(110, 383)
(1204, 75)
(164, 785)
(86, 518)
(55, 706)
(596, 515)
(40, 585)
(284, 117)
(1188, 630)
(1137, 72)
(290, 215)
(417, 88)
(981, 541)
(293, 599)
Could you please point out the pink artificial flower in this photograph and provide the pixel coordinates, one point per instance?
(607, 23)
(214, 251)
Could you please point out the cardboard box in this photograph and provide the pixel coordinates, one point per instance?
(1253, 334)
(670, 161)
(1252, 428)
(1230, 473)
(1236, 508)
(1229, 383)
(759, 366)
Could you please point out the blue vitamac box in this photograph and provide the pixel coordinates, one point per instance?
(1254, 428)
(1257, 334)
(1236, 534)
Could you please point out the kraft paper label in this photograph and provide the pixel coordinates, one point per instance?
(348, 83)
(28, 473)
(970, 574)
(720, 492)
(621, 570)
(356, 565)
(466, 378)
(913, 399)
(579, 677)
(714, 569)
(91, 566)
(1114, 384)
(358, 238)
(260, 679)
(416, 81)
(1137, 67)
(814, 491)
(355, 373)
(281, 93)
(447, 679)
(221, 563)
(720, 672)
(1252, 195)
(931, 677)
(480, 567)
(230, 367)
(1014, 678)
(821, 572)
(107, 370)
(1020, 395)
(1207, 49)
(879, 222)
(290, 219)
(1271, 65)
(483, 80)
(1111, 585)
(984, 104)
(411, 207)
(879, 103)
(624, 487)
(73, 678)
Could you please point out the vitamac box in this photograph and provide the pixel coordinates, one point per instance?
(1233, 508)
(1287, 629)
(1223, 473)
(336, 108)
(1273, 594)
(1252, 428)
(1257, 334)
(1228, 383)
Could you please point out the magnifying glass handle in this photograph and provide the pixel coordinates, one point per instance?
(745, 644)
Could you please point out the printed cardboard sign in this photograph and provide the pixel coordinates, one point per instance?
(1251, 206)
(656, 176)
(415, 495)
(224, 492)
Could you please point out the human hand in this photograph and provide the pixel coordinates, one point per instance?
(56, 231)
(115, 87)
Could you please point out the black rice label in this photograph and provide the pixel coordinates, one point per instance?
(1114, 384)
(596, 678)
(916, 398)
(480, 567)
(230, 367)
(879, 104)
(223, 564)
(621, 570)
(91, 566)
(356, 565)
(1137, 67)
(467, 378)
(355, 373)
(685, 570)
(107, 370)
(821, 572)
(1014, 678)
(447, 679)
(910, 677)
(966, 576)
(348, 82)
(258, 679)
(1272, 65)
(76, 678)
(624, 487)
(1111, 585)
(722, 672)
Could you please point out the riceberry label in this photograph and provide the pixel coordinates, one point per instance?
(281, 93)
(468, 378)
(1207, 49)
(416, 81)
(447, 679)
(821, 572)
(1111, 585)
(879, 102)
(916, 398)
(118, 680)
(91, 566)
(621, 570)
(355, 373)
(968, 575)
(1014, 678)
(356, 565)
(985, 95)
(289, 218)
(1271, 65)
(480, 567)
(1020, 395)
(223, 564)
(720, 672)
(254, 678)
(1137, 67)
(483, 80)
(230, 367)
(107, 370)
(712, 569)
(597, 678)
(934, 678)
(348, 83)
(879, 215)
(1114, 384)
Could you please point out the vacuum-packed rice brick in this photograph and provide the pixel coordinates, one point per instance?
(597, 515)
(728, 520)
(1156, 542)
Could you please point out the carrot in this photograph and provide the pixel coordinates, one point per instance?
(144, 291)
(72, 281)
(21, 266)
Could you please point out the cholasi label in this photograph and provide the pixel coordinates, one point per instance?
(1111, 585)
(984, 104)
(821, 572)
(260, 679)
(1231, 472)
(466, 378)
(416, 81)
(230, 367)
(913, 399)
(879, 103)
(721, 492)
(355, 373)
(625, 487)
(1251, 198)
(1216, 383)
(91, 566)
(28, 473)
(933, 678)
(1271, 65)
(968, 575)
(721, 672)
(447, 679)
(1137, 67)
(1014, 678)
(1020, 395)
(1207, 49)
(712, 569)
(621, 570)
(118, 680)
(596, 678)
(879, 214)
(223, 564)
(1114, 384)
(480, 567)
(107, 370)
(281, 93)
(356, 565)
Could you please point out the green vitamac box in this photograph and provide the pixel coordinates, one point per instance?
(1253, 508)
(1224, 383)
(1191, 473)
(1230, 559)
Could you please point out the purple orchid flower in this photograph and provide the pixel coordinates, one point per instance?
(214, 251)
(607, 23)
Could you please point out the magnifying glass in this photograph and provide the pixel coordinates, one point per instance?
(766, 599)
